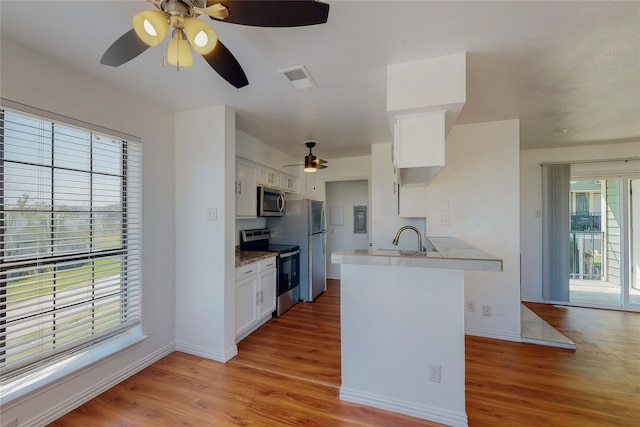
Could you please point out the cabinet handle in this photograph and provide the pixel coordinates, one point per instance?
(248, 272)
(257, 299)
(269, 265)
(239, 188)
(261, 296)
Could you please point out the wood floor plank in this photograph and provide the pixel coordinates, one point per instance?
(287, 373)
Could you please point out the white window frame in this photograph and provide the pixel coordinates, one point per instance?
(19, 378)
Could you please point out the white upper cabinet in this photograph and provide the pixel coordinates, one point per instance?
(288, 183)
(246, 196)
(273, 179)
(418, 152)
(424, 99)
(268, 178)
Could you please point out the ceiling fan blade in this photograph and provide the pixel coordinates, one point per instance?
(274, 13)
(216, 10)
(320, 161)
(321, 166)
(289, 166)
(225, 64)
(127, 47)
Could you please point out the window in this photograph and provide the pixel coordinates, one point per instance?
(70, 238)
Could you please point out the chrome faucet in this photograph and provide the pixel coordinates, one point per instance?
(410, 227)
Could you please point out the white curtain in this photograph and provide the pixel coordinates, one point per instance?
(556, 224)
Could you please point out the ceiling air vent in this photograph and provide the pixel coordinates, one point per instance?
(299, 77)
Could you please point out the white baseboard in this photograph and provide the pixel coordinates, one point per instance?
(408, 408)
(229, 354)
(485, 333)
(530, 299)
(104, 385)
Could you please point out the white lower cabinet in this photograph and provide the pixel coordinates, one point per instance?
(255, 295)
(267, 287)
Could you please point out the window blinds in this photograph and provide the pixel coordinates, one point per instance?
(70, 237)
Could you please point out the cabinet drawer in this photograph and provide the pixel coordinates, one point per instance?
(246, 271)
(266, 264)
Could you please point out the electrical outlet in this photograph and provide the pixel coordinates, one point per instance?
(471, 307)
(486, 310)
(434, 373)
(12, 423)
(444, 220)
(212, 214)
(500, 310)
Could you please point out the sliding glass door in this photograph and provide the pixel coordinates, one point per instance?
(634, 244)
(603, 262)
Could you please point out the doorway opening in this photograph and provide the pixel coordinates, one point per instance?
(347, 219)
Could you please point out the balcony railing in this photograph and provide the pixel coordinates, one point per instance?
(585, 221)
(587, 248)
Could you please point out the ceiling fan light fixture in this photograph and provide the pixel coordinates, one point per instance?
(179, 51)
(151, 26)
(202, 37)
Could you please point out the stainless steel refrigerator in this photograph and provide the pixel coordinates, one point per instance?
(304, 224)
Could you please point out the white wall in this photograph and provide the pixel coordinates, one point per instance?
(41, 82)
(205, 261)
(344, 195)
(480, 185)
(313, 185)
(531, 198)
(253, 149)
(385, 221)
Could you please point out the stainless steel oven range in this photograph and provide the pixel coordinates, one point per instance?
(288, 266)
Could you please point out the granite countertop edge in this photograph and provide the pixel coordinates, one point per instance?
(452, 253)
(248, 257)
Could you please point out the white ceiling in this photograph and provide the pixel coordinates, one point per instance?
(553, 64)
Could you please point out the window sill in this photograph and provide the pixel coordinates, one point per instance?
(73, 364)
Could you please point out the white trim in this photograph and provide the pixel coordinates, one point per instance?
(486, 333)
(4, 102)
(128, 343)
(99, 388)
(195, 350)
(549, 343)
(425, 412)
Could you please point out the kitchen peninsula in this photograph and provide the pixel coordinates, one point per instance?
(402, 327)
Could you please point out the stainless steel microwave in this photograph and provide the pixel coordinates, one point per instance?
(270, 202)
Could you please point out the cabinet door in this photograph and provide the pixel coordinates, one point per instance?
(420, 140)
(247, 300)
(267, 291)
(288, 183)
(246, 198)
(263, 177)
(274, 179)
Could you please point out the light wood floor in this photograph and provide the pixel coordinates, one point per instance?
(288, 373)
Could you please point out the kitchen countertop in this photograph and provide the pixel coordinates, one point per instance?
(452, 253)
(247, 257)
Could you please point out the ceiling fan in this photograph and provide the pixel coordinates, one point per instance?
(311, 162)
(151, 26)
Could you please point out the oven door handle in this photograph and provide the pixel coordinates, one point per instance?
(288, 254)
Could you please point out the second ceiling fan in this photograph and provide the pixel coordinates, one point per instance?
(151, 26)
(311, 162)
